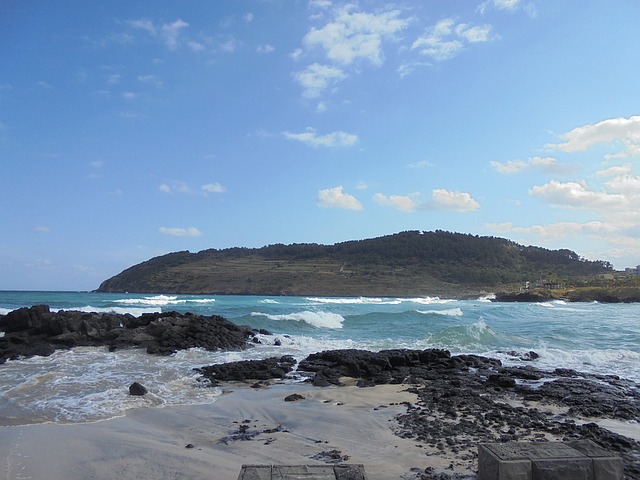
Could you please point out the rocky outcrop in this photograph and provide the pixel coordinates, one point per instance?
(388, 366)
(241, 371)
(39, 331)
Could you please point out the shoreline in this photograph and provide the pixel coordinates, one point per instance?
(245, 425)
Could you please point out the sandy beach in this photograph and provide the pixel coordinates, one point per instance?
(245, 426)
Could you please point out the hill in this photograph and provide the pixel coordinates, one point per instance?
(409, 263)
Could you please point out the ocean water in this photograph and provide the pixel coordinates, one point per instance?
(91, 384)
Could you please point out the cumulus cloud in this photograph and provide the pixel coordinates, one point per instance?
(180, 232)
(331, 140)
(316, 78)
(353, 36)
(441, 199)
(350, 38)
(447, 38)
(620, 131)
(577, 195)
(337, 198)
(515, 166)
(405, 203)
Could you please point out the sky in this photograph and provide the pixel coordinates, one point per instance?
(133, 129)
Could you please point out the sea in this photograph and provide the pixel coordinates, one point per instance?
(90, 384)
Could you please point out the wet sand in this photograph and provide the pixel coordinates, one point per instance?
(246, 426)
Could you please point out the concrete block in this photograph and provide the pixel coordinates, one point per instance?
(606, 466)
(562, 469)
(302, 472)
(582, 460)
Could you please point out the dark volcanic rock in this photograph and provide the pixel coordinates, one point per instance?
(248, 370)
(388, 366)
(38, 331)
(467, 399)
(137, 389)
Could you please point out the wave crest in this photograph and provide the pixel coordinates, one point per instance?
(315, 319)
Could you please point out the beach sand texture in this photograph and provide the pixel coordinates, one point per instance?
(246, 426)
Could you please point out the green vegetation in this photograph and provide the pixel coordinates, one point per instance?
(404, 264)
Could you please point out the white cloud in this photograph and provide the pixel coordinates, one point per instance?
(316, 78)
(404, 203)
(229, 46)
(336, 198)
(171, 33)
(180, 232)
(130, 95)
(168, 32)
(554, 230)
(97, 164)
(248, 17)
(355, 35)
(421, 164)
(510, 6)
(150, 79)
(624, 132)
(577, 195)
(196, 46)
(332, 140)
(114, 79)
(265, 49)
(446, 38)
(41, 229)
(515, 166)
(442, 199)
(143, 24)
(212, 188)
(175, 186)
(361, 185)
(616, 170)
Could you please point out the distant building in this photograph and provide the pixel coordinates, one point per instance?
(633, 271)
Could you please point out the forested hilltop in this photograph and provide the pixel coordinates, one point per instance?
(409, 263)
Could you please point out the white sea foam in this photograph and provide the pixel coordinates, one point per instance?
(4, 311)
(316, 319)
(159, 300)
(269, 300)
(135, 311)
(600, 361)
(428, 300)
(355, 300)
(89, 384)
(487, 298)
(450, 312)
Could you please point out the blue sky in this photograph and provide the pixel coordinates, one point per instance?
(133, 129)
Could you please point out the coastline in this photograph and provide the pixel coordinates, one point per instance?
(247, 425)
(331, 425)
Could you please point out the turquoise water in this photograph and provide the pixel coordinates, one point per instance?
(87, 384)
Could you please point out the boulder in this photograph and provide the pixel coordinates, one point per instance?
(137, 389)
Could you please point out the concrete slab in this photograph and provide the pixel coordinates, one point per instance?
(304, 472)
(583, 460)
